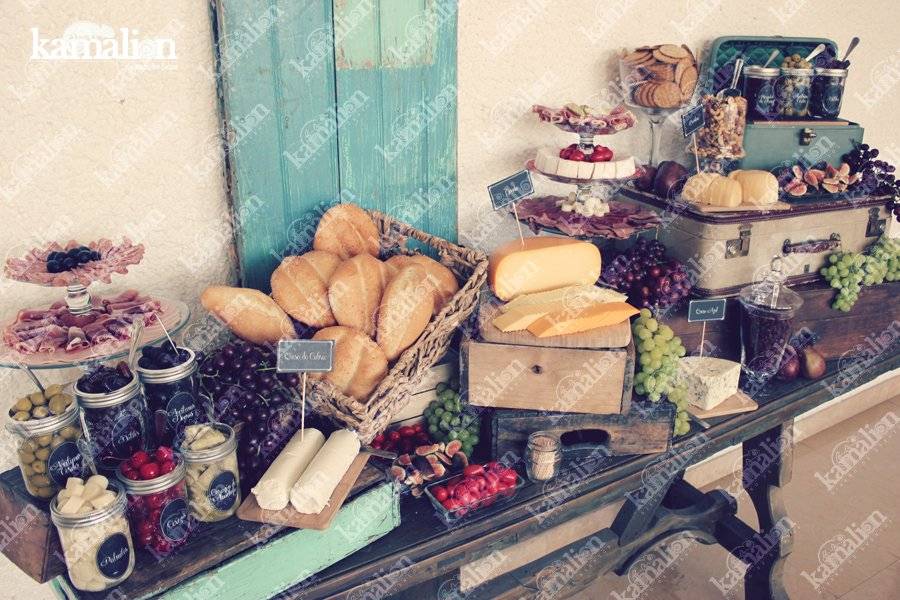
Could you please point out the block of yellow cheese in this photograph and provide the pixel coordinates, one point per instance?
(575, 321)
(542, 263)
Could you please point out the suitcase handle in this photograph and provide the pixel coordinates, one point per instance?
(811, 246)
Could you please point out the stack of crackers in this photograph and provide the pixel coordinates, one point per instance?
(661, 76)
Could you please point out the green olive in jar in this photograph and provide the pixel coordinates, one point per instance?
(45, 492)
(43, 453)
(23, 404)
(26, 455)
(22, 416)
(39, 412)
(44, 440)
(69, 432)
(38, 399)
(39, 467)
(59, 403)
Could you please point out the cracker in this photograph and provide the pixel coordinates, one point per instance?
(688, 81)
(673, 51)
(658, 55)
(667, 95)
(635, 57)
(680, 68)
(661, 72)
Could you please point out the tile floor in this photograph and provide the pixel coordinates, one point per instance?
(870, 572)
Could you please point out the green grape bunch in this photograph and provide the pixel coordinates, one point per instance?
(449, 420)
(658, 350)
(848, 272)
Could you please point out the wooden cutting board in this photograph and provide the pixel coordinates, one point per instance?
(738, 403)
(249, 510)
(614, 336)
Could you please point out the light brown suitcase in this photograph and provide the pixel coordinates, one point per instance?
(723, 252)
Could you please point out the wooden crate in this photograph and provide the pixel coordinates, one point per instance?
(29, 538)
(645, 429)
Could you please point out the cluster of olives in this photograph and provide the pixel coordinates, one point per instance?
(51, 402)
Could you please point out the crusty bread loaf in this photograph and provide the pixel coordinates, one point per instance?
(347, 230)
(354, 292)
(359, 364)
(300, 287)
(440, 278)
(249, 313)
(406, 307)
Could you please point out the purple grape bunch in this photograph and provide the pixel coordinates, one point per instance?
(876, 176)
(248, 394)
(648, 276)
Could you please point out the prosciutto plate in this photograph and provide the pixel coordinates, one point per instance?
(622, 221)
(114, 258)
(579, 119)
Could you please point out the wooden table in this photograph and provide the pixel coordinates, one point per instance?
(421, 558)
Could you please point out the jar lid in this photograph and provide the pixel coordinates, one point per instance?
(172, 374)
(832, 72)
(107, 399)
(142, 487)
(46, 425)
(543, 441)
(208, 454)
(761, 71)
(771, 293)
(91, 517)
(795, 71)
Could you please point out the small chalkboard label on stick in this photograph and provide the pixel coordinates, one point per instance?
(304, 356)
(712, 309)
(692, 120)
(512, 189)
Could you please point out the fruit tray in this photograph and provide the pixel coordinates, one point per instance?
(453, 515)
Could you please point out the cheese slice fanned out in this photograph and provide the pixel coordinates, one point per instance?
(575, 321)
(572, 295)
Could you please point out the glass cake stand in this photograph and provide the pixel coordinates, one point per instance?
(602, 190)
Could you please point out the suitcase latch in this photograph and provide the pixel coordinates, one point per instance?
(807, 135)
(739, 246)
(875, 226)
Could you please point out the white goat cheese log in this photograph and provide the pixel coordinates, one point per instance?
(314, 488)
(272, 491)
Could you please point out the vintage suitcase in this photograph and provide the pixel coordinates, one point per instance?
(770, 144)
(726, 251)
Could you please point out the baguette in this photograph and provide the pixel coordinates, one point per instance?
(300, 287)
(440, 278)
(347, 230)
(359, 364)
(406, 309)
(354, 292)
(250, 314)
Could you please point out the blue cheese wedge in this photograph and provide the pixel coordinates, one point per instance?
(710, 381)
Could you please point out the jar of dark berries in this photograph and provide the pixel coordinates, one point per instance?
(157, 500)
(171, 388)
(112, 415)
(827, 93)
(759, 90)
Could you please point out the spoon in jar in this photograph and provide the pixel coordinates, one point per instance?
(771, 58)
(816, 51)
(732, 90)
(853, 44)
(33, 377)
(137, 328)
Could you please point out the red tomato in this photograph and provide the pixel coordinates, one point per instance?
(139, 458)
(440, 493)
(406, 431)
(451, 503)
(376, 444)
(473, 470)
(466, 498)
(508, 476)
(394, 436)
(491, 488)
(490, 477)
(418, 427)
(149, 470)
(379, 439)
(164, 453)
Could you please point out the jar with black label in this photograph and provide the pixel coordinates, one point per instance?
(96, 544)
(48, 452)
(793, 92)
(173, 398)
(114, 423)
(210, 456)
(158, 510)
(759, 90)
(827, 93)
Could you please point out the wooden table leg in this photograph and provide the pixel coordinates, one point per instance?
(768, 459)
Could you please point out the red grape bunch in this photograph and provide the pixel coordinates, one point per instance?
(648, 276)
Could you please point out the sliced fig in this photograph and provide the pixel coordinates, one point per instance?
(428, 449)
(830, 172)
(404, 459)
(398, 473)
(415, 479)
(444, 458)
(814, 177)
(439, 469)
(460, 461)
(844, 169)
(453, 447)
(831, 185)
(796, 188)
(797, 171)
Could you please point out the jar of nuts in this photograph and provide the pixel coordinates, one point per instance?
(722, 135)
(47, 424)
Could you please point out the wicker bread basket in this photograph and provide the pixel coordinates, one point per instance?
(393, 393)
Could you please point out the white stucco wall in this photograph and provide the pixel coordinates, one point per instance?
(104, 149)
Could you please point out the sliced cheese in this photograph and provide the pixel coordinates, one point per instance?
(568, 168)
(710, 381)
(569, 294)
(518, 319)
(575, 321)
(540, 264)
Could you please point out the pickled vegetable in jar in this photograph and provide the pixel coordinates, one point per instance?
(114, 423)
(213, 483)
(793, 92)
(172, 392)
(94, 534)
(158, 510)
(48, 452)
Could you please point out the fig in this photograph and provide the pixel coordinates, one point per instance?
(404, 460)
(814, 177)
(812, 363)
(453, 446)
(844, 169)
(795, 188)
(831, 185)
(790, 365)
(398, 473)
(797, 172)
(428, 449)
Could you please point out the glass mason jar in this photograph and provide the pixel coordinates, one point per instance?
(97, 544)
(114, 423)
(173, 398)
(793, 92)
(759, 90)
(48, 453)
(158, 510)
(827, 93)
(213, 483)
(543, 455)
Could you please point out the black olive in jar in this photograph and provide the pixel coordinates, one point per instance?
(759, 90)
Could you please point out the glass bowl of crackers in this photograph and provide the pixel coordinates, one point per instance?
(658, 77)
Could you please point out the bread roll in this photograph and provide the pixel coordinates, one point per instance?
(757, 187)
(347, 230)
(249, 313)
(359, 364)
(406, 307)
(440, 278)
(354, 292)
(300, 287)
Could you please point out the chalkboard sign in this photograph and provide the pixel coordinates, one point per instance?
(513, 188)
(306, 356)
(706, 310)
(692, 120)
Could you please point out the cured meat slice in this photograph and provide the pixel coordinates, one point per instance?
(114, 258)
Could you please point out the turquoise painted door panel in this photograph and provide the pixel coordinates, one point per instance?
(352, 100)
